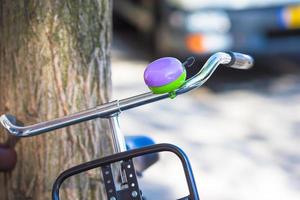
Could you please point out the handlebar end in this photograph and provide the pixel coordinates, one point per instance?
(240, 61)
(9, 122)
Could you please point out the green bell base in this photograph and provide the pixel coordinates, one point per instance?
(171, 86)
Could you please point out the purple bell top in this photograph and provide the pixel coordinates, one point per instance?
(163, 71)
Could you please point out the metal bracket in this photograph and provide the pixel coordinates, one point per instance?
(133, 187)
(109, 182)
(131, 191)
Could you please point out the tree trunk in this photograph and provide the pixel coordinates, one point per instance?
(54, 61)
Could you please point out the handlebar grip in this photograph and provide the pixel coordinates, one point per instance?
(240, 61)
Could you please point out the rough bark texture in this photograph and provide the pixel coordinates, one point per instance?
(54, 60)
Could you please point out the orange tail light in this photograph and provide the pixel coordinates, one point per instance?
(194, 43)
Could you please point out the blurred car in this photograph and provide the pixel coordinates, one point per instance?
(181, 27)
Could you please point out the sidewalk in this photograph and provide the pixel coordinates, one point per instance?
(243, 142)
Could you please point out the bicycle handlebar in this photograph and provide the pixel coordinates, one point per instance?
(234, 60)
(240, 61)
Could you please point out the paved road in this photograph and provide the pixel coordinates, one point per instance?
(243, 138)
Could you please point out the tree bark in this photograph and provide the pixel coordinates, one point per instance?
(54, 61)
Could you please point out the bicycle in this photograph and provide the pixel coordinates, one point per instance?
(166, 78)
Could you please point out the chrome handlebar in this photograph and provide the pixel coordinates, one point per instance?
(229, 59)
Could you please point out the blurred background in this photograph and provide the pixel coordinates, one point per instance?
(242, 129)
